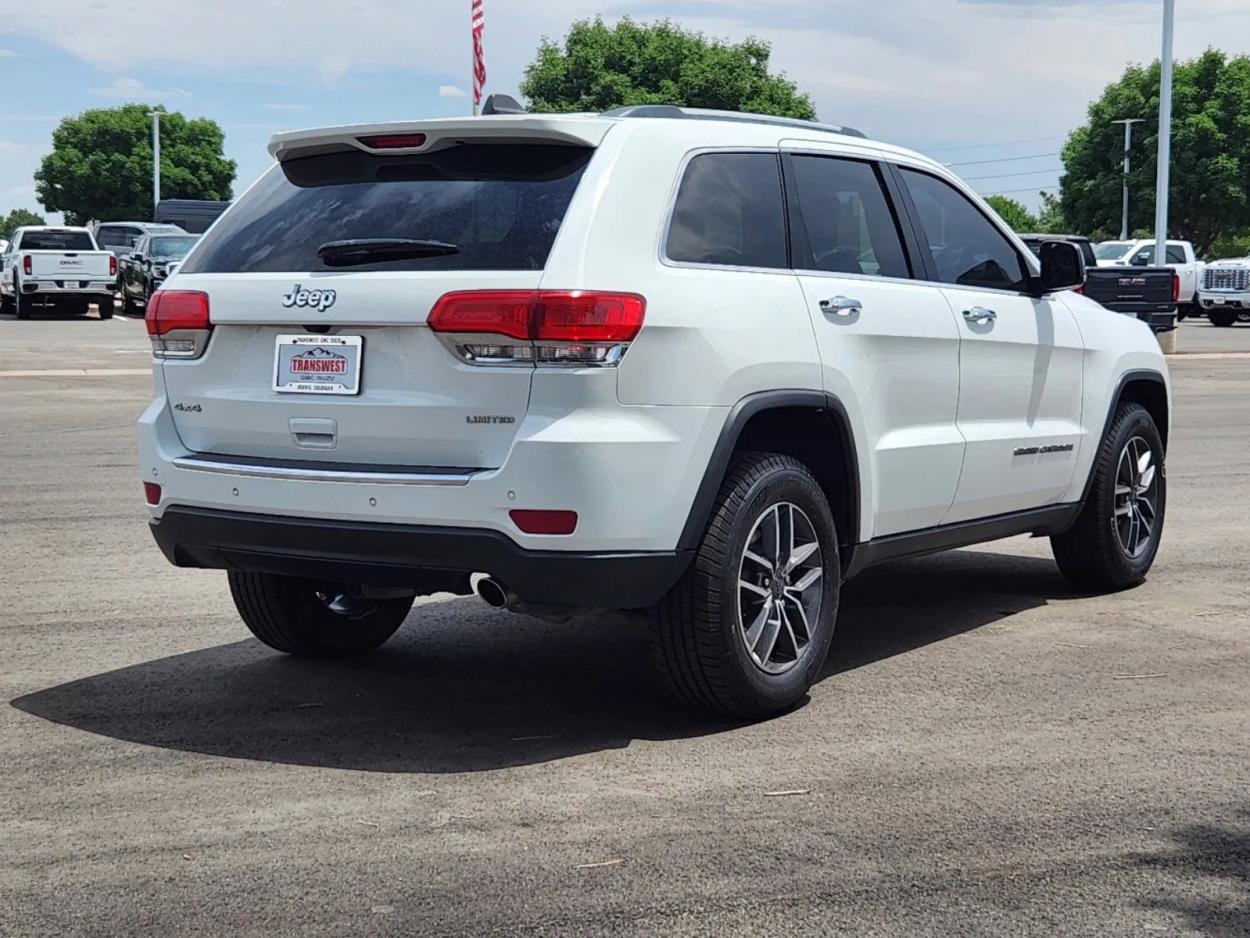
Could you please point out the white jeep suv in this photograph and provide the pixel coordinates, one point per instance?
(701, 364)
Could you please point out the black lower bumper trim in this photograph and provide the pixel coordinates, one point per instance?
(417, 556)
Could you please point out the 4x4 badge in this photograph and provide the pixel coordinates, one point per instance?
(320, 300)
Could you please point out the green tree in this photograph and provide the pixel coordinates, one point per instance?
(601, 67)
(17, 218)
(1051, 220)
(100, 167)
(1013, 213)
(1210, 166)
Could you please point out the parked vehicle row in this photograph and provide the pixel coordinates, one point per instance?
(61, 267)
(460, 354)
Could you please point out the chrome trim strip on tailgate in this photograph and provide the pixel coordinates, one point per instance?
(323, 475)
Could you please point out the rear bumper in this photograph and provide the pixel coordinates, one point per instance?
(67, 288)
(422, 557)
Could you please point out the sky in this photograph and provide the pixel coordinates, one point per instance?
(990, 86)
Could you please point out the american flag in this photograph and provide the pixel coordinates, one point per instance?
(477, 17)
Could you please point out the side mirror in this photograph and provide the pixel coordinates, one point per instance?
(1063, 265)
(137, 257)
(1141, 260)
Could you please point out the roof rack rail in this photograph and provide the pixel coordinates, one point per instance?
(673, 112)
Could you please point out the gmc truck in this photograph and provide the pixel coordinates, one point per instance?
(1149, 293)
(56, 266)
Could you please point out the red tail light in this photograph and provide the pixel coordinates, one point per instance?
(533, 521)
(1176, 287)
(490, 312)
(574, 327)
(27, 267)
(178, 323)
(1079, 288)
(112, 265)
(582, 316)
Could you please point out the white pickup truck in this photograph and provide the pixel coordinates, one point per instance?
(1141, 253)
(56, 266)
(1225, 291)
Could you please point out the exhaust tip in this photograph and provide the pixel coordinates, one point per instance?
(493, 592)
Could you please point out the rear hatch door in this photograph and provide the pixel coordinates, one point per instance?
(291, 316)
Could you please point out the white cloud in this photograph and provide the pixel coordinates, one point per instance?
(7, 54)
(451, 91)
(287, 107)
(134, 90)
(8, 147)
(332, 67)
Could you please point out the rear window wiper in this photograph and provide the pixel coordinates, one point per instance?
(353, 251)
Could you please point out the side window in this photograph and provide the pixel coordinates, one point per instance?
(845, 224)
(1176, 255)
(966, 246)
(729, 211)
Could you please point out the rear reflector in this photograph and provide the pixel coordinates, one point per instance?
(151, 493)
(393, 141)
(533, 521)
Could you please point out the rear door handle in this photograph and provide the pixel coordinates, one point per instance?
(979, 315)
(841, 306)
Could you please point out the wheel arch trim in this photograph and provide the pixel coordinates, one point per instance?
(731, 432)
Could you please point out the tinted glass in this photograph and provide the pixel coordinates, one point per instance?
(56, 241)
(501, 205)
(966, 246)
(1146, 256)
(169, 246)
(113, 237)
(847, 223)
(1111, 250)
(729, 211)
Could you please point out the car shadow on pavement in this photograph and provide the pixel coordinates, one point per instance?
(464, 687)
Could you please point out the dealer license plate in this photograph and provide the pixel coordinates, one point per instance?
(317, 364)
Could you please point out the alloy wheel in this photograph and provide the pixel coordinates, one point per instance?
(779, 588)
(1136, 497)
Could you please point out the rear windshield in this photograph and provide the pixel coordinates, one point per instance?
(117, 237)
(176, 247)
(501, 205)
(56, 241)
(1111, 250)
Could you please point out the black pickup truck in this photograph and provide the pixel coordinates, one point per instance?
(1149, 293)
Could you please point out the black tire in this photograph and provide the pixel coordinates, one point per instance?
(6, 304)
(698, 645)
(128, 304)
(25, 305)
(104, 306)
(1182, 312)
(1092, 554)
(294, 615)
(1222, 319)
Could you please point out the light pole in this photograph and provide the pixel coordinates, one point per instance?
(1165, 136)
(1128, 123)
(156, 161)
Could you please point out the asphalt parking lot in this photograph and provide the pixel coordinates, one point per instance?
(989, 752)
